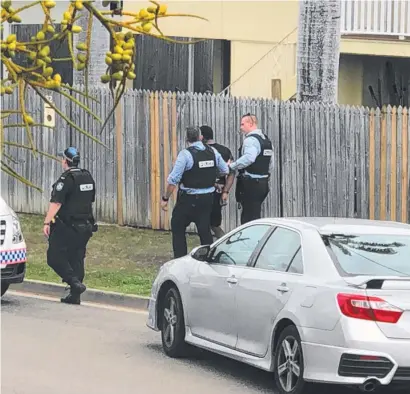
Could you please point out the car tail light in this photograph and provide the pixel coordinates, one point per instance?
(368, 308)
(369, 358)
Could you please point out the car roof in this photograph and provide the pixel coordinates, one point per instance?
(337, 224)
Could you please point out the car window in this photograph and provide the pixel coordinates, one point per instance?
(370, 254)
(279, 250)
(238, 248)
(296, 266)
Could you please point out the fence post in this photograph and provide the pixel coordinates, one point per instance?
(383, 163)
(280, 161)
(393, 165)
(120, 161)
(372, 160)
(174, 144)
(155, 162)
(165, 120)
(405, 170)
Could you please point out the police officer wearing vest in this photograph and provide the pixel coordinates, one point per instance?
(254, 165)
(195, 171)
(69, 224)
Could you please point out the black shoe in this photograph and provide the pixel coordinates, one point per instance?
(73, 299)
(77, 287)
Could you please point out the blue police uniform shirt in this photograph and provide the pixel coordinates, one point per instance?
(185, 162)
(251, 148)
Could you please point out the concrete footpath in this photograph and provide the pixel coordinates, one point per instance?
(91, 295)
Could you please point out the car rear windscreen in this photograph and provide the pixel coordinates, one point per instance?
(385, 255)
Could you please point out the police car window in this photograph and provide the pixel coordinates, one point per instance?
(238, 248)
(279, 250)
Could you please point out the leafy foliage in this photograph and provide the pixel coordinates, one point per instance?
(39, 74)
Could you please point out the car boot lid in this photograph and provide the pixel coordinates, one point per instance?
(379, 282)
(389, 293)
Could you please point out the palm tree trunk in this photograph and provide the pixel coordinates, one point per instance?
(318, 50)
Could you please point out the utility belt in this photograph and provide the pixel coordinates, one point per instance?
(241, 174)
(79, 223)
(183, 193)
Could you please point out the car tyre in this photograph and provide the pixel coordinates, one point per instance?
(173, 325)
(4, 288)
(289, 363)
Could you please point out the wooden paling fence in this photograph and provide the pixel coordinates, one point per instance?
(388, 161)
(329, 160)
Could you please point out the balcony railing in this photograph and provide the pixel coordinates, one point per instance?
(376, 17)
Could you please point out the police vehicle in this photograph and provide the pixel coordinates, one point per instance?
(13, 250)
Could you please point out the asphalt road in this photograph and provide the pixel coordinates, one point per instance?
(50, 348)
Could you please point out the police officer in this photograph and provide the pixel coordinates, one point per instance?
(223, 183)
(254, 164)
(69, 224)
(195, 171)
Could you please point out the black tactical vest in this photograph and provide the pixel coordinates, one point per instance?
(203, 172)
(78, 206)
(262, 162)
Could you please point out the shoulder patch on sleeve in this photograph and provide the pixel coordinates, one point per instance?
(59, 186)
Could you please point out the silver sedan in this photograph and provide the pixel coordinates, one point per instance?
(314, 300)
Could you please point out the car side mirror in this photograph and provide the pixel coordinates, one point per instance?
(201, 253)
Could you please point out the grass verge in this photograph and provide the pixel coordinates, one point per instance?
(120, 259)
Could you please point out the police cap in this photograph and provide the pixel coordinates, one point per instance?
(71, 154)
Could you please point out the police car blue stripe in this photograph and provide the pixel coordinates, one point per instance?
(13, 256)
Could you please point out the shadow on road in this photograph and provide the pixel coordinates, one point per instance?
(226, 368)
(242, 373)
(7, 302)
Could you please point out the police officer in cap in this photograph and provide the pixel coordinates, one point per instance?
(254, 165)
(195, 171)
(69, 224)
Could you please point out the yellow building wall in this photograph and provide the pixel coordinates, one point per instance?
(350, 89)
(375, 47)
(254, 29)
(261, 21)
(255, 80)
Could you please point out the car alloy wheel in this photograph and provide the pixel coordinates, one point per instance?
(289, 363)
(170, 321)
(173, 324)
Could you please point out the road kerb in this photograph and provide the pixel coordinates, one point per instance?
(91, 295)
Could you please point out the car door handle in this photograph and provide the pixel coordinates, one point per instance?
(232, 281)
(283, 289)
